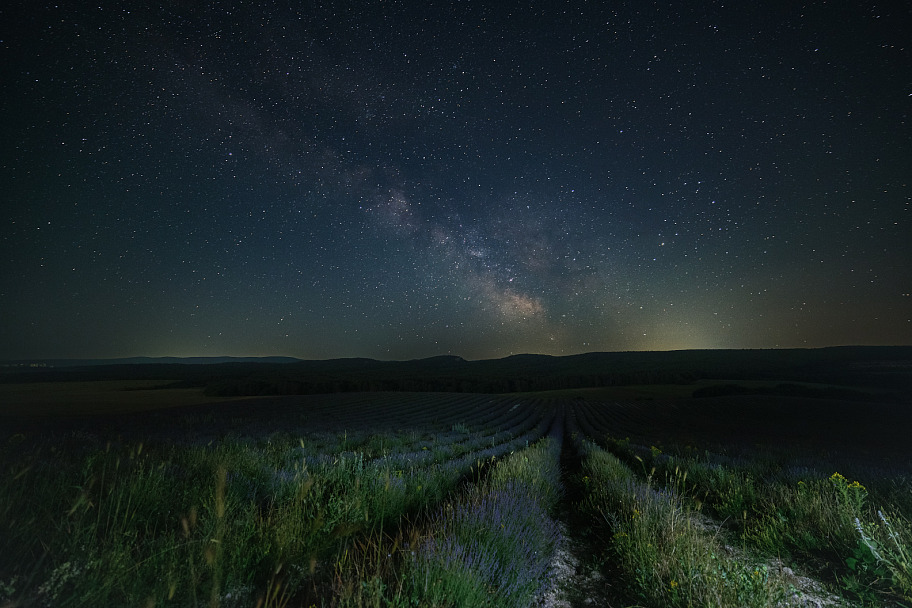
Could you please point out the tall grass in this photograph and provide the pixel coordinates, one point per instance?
(126, 526)
(234, 522)
(667, 558)
(814, 517)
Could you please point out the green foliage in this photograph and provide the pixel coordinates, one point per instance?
(863, 567)
(807, 518)
(851, 494)
(230, 522)
(451, 585)
(669, 559)
(885, 550)
(535, 468)
(814, 518)
(241, 522)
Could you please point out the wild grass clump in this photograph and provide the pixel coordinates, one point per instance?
(814, 517)
(669, 559)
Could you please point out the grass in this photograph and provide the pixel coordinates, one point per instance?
(122, 531)
(666, 557)
(805, 514)
(232, 522)
(452, 506)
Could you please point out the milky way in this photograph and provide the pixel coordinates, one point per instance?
(403, 179)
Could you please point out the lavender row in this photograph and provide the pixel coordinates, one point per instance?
(494, 547)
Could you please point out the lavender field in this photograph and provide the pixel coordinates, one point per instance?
(445, 499)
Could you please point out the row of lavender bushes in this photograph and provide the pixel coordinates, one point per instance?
(799, 512)
(230, 523)
(491, 546)
(666, 556)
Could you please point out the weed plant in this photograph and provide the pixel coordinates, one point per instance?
(885, 549)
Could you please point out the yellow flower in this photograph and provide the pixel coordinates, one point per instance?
(673, 584)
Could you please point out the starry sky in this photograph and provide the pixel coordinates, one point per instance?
(398, 179)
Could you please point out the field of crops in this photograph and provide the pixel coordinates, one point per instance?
(436, 499)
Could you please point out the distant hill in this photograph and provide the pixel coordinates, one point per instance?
(55, 363)
(887, 367)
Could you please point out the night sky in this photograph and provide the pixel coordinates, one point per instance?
(405, 179)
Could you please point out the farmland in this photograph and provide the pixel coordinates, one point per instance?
(764, 496)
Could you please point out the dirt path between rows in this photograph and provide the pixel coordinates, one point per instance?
(577, 578)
